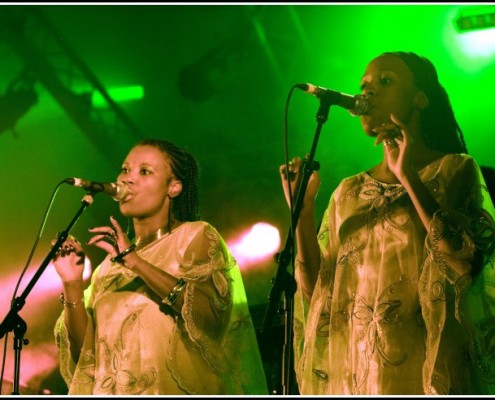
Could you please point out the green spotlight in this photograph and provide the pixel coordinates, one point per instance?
(118, 94)
(475, 18)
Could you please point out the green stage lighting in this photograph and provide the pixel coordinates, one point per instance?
(118, 94)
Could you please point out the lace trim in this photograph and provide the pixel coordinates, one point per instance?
(215, 268)
(471, 236)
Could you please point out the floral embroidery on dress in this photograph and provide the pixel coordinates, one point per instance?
(86, 374)
(114, 278)
(118, 379)
(372, 319)
(437, 292)
(340, 318)
(241, 321)
(320, 374)
(380, 196)
(216, 266)
(351, 254)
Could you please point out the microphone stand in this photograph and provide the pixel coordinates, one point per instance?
(284, 281)
(13, 322)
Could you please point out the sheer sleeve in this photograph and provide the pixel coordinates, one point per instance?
(229, 346)
(306, 328)
(465, 222)
(205, 267)
(66, 363)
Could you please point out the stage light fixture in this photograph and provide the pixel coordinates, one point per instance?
(475, 18)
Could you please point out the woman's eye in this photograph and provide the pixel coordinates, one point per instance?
(124, 170)
(145, 172)
(385, 80)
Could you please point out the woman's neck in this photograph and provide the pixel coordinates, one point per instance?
(143, 228)
(147, 233)
(422, 157)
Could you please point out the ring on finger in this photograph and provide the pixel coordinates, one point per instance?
(112, 238)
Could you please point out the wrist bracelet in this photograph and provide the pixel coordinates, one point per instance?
(69, 303)
(174, 294)
(120, 256)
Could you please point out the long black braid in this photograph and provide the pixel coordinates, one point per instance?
(439, 126)
(185, 168)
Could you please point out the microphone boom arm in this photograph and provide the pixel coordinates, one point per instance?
(12, 321)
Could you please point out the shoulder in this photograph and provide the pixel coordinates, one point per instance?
(350, 184)
(353, 179)
(200, 237)
(453, 164)
(192, 229)
(449, 165)
(459, 158)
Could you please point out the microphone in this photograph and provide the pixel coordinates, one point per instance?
(118, 191)
(356, 105)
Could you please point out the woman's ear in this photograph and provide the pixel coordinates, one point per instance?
(421, 100)
(174, 188)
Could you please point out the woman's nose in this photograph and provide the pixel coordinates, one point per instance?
(125, 178)
(369, 91)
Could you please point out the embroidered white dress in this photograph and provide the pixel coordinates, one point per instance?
(389, 314)
(132, 347)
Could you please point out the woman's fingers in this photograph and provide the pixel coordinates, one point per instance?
(291, 170)
(116, 226)
(107, 233)
(291, 174)
(71, 245)
(111, 239)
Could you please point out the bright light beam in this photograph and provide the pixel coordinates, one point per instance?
(118, 94)
(257, 244)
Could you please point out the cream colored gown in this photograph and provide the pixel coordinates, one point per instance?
(389, 314)
(132, 347)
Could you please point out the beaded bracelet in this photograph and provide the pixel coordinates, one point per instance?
(69, 303)
(174, 294)
(120, 256)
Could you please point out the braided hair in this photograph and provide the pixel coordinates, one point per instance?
(185, 168)
(439, 126)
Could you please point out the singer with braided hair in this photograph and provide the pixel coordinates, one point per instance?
(165, 312)
(395, 290)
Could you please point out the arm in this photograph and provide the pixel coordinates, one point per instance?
(70, 267)
(162, 283)
(446, 219)
(203, 268)
(308, 251)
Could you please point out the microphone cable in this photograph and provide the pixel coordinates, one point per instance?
(38, 237)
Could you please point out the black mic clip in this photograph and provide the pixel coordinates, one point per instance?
(305, 165)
